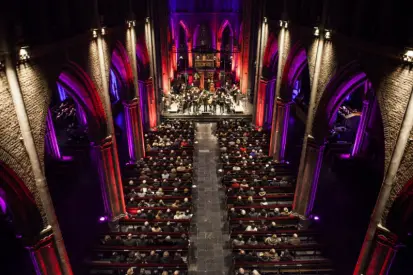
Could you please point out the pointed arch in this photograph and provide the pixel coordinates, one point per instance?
(81, 88)
(221, 29)
(142, 51)
(123, 70)
(296, 62)
(341, 85)
(20, 201)
(186, 29)
(271, 50)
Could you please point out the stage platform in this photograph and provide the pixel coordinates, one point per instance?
(207, 117)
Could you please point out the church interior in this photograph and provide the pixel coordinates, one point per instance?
(183, 137)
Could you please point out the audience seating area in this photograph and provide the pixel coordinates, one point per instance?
(154, 237)
(266, 237)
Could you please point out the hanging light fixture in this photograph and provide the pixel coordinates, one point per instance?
(130, 23)
(408, 56)
(316, 31)
(284, 24)
(24, 54)
(327, 34)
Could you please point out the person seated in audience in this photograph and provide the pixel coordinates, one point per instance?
(255, 272)
(173, 174)
(167, 227)
(251, 227)
(130, 271)
(243, 214)
(165, 183)
(175, 192)
(160, 192)
(250, 200)
(186, 203)
(264, 256)
(294, 240)
(273, 256)
(238, 241)
(165, 259)
(253, 213)
(241, 192)
(179, 228)
(144, 184)
(285, 212)
(262, 226)
(146, 227)
(159, 215)
(241, 271)
(252, 240)
(132, 202)
(153, 257)
(274, 214)
(142, 193)
(244, 184)
(156, 228)
(142, 241)
(251, 192)
(150, 216)
(116, 258)
(176, 204)
(272, 240)
(264, 201)
(108, 240)
(168, 241)
(131, 182)
(165, 175)
(151, 203)
(262, 192)
(232, 213)
(263, 213)
(240, 256)
(177, 258)
(160, 203)
(286, 255)
(240, 226)
(234, 184)
(239, 201)
(129, 241)
(183, 240)
(181, 168)
(186, 176)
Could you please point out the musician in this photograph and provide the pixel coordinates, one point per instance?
(205, 102)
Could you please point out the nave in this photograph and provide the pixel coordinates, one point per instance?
(207, 199)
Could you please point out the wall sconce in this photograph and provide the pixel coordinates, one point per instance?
(24, 55)
(181, 57)
(103, 31)
(327, 34)
(408, 56)
(283, 24)
(147, 19)
(265, 19)
(94, 33)
(316, 32)
(131, 23)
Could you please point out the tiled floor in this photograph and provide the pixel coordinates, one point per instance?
(209, 234)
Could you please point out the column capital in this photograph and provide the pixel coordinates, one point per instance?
(44, 239)
(386, 237)
(263, 80)
(283, 102)
(131, 103)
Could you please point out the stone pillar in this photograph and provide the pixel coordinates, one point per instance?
(307, 186)
(44, 255)
(246, 43)
(235, 63)
(280, 131)
(384, 250)
(361, 128)
(259, 105)
(51, 140)
(151, 105)
(109, 176)
(218, 55)
(132, 128)
(190, 57)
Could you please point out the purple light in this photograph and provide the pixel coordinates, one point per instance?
(316, 218)
(409, 234)
(345, 156)
(103, 219)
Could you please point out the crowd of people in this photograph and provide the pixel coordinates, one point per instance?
(154, 237)
(193, 100)
(259, 198)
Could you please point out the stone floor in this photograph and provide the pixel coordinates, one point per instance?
(209, 229)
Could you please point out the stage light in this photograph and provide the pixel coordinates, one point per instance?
(327, 34)
(283, 24)
(103, 219)
(131, 23)
(316, 218)
(95, 33)
(316, 31)
(408, 56)
(24, 54)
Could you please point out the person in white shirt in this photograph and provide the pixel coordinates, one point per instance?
(251, 227)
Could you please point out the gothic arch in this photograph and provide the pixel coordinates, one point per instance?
(123, 70)
(221, 29)
(296, 62)
(341, 85)
(81, 88)
(186, 29)
(26, 215)
(271, 50)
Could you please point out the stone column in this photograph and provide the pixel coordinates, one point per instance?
(132, 128)
(280, 131)
(246, 44)
(259, 105)
(306, 192)
(109, 176)
(235, 62)
(44, 255)
(385, 247)
(189, 45)
(361, 128)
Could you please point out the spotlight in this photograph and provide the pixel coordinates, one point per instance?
(103, 31)
(327, 34)
(316, 218)
(131, 23)
(24, 54)
(103, 219)
(316, 31)
(408, 56)
(95, 33)
(283, 24)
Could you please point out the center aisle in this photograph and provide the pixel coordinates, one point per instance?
(208, 235)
